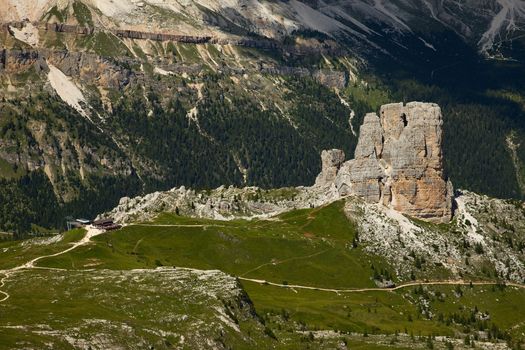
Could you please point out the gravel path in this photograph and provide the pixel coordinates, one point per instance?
(401, 286)
(91, 232)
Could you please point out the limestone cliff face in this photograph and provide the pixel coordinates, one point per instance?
(398, 162)
(332, 160)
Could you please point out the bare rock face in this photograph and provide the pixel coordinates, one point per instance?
(362, 175)
(332, 160)
(398, 162)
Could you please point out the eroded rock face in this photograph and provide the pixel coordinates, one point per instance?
(398, 162)
(332, 160)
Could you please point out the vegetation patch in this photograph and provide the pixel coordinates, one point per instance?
(82, 14)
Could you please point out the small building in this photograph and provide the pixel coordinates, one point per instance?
(106, 224)
(102, 222)
(83, 221)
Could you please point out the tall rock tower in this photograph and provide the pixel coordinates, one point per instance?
(398, 162)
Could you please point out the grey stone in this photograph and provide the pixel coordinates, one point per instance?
(331, 160)
(399, 163)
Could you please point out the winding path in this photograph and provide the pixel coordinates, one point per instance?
(91, 232)
(392, 289)
(176, 225)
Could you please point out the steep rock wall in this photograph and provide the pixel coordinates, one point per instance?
(398, 162)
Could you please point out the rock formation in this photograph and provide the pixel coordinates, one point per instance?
(398, 162)
(332, 160)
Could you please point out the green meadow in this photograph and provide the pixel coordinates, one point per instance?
(16, 253)
(307, 247)
(312, 248)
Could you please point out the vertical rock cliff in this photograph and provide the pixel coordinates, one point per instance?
(398, 162)
(332, 161)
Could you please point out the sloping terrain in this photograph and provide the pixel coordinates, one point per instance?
(487, 24)
(105, 99)
(343, 275)
(132, 310)
(484, 239)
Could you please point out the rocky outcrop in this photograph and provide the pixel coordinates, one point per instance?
(399, 163)
(332, 160)
(223, 203)
(362, 176)
(475, 224)
(332, 78)
(68, 28)
(133, 34)
(15, 61)
(86, 66)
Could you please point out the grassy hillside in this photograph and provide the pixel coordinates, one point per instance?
(16, 253)
(312, 247)
(132, 310)
(316, 249)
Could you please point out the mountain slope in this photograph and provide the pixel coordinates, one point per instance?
(105, 99)
(348, 272)
(487, 24)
